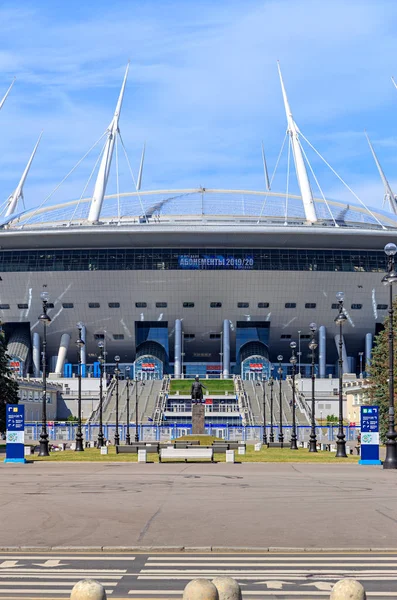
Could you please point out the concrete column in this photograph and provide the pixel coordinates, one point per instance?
(322, 351)
(62, 352)
(36, 355)
(226, 349)
(178, 349)
(368, 351)
(84, 348)
(345, 361)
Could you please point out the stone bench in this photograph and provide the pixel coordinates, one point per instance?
(187, 453)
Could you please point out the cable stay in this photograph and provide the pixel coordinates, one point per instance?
(342, 181)
(268, 187)
(287, 188)
(318, 184)
(87, 184)
(132, 176)
(273, 175)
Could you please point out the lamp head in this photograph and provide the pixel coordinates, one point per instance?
(279, 357)
(292, 345)
(340, 319)
(44, 296)
(293, 360)
(390, 249)
(44, 319)
(340, 296)
(117, 358)
(313, 327)
(101, 344)
(312, 345)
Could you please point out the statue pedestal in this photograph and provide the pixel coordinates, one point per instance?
(198, 419)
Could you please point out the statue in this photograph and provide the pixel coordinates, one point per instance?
(197, 390)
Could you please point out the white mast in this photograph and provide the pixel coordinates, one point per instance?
(300, 167)
(12, 201)
(6, 94)
(389, 194)
(266, 172)
(104, 168)
(139, 180)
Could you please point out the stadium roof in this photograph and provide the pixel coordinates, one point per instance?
(202, 206)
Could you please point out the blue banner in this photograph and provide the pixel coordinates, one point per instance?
(15, 440)
(369, 435)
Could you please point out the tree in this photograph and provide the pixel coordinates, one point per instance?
(378, 392)
(8, 385)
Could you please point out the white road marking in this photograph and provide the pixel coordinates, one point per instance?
(9, 563)
(119, 557)
(38, 591)
(275, 584)
(87, 575)
(278, 556)
(59, 583)
(96, 571)
(51, 563)
(320, 585)
(265, 564)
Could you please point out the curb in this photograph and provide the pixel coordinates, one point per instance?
(192, 549)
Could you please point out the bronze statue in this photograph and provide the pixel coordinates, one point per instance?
(196, 392)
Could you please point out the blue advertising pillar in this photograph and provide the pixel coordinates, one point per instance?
(369, 436)
(15, 444)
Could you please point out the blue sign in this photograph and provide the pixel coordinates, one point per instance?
(215, 261)
(370, 435)
(15, 440)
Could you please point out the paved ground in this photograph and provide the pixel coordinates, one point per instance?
(165, 575)
(196, 505)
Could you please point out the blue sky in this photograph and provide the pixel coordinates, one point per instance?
(202, 93)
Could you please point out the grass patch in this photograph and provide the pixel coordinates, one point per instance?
(266, 455)
(215, 386)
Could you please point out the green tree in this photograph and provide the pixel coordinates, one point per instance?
(378, 392)
(8, 385)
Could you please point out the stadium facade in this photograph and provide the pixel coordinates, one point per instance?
(195, 280)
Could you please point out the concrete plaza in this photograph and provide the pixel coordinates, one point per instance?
(198, 505)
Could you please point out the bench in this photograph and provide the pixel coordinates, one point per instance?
(133, 448)
(185, 453)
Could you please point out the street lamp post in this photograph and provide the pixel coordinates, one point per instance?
(390, 461)
(280, 373)
(293, 360)
(340, 320)
(128, 437)
(313, 346)
(101, 440)
(79, 434)
(271, 383)
(136, 411)
(117, 373)
(45, 321)
(264, 437)
(361, 354)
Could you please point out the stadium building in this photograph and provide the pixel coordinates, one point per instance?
(193, 281)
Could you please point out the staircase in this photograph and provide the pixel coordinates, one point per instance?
(244, 402)
(254, 393)
(146, 392)
(161, 401)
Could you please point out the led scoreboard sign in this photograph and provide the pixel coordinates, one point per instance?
(215, 261)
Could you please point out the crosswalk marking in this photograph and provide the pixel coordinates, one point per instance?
(9, 563)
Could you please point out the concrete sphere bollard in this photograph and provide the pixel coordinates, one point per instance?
(228, 588)
(200, 589)
(348, 589)
(88, 589)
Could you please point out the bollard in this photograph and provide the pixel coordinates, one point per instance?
(228, 588)
(88, 589)
(200, 589)
(348, 589)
